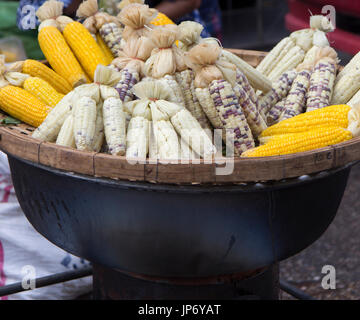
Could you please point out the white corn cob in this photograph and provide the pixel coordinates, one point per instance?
(354, 63)
(274, 113)
(296, 99)
(51, 126)
(321, 85)
(208, 106)
(303, 38)
(99, 130)
(111, 34)
(280, 89)
(346, 87)
(127, 81)
(354, 100)
(137, 138)
(166, 140)
(288, 62)
(84, 123)
(186, 81)
(66, 136)
(174, 89)
(191, 132)
(255, 77)
(273, 58)
(232, 115)
(115, 126)
(153, 153)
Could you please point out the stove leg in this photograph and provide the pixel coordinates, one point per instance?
(109, 284)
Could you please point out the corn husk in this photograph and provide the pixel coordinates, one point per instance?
(189, 34)
(321, 23)
(134, 54)
(50, 14)
(204, 60)
(94, 19)
(315, 54)
(166, 58)
(136, 17)
(10, 74)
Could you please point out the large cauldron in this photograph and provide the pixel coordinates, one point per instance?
(177, 231)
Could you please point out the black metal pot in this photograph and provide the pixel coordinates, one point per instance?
(177, 231)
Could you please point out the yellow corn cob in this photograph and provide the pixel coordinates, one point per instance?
(43, 91)
(66, 136)
(288, 62)
(300, 142)
(208, 106)
(114, 124)
(37, 69)
(104, 48)
(60, 56)
(273, 58)
(255, 77)
(22, 105)
(50, 128)
(137, 138)
(161, 20)
(99, 129)
(84, 123)
(353, 64)
(186, 81)
(321, 85)
(296, 99)
(336, 115)
(84, 46)
(231, 115)
(111, 33)
(346, 87)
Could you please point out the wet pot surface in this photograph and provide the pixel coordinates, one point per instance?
(177, 231)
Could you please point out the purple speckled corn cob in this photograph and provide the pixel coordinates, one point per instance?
(274, 113)
(296, 99)
(111, 34)
(231, 115)
(127, 81)
(249, 103)
(321, 85)
(279, 91)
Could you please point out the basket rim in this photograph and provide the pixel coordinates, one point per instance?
(15, 140)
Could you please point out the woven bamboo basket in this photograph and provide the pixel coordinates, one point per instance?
(17, 141)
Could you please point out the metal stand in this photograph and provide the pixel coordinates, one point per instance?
(109, 284)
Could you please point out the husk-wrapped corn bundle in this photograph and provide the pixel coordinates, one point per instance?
(136, 18)
(130, 63)
(104, 27)
(168, 120)
(216, 78)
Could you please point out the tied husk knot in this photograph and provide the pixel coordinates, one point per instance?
(94, 19)
(136, 17)
(134, 54)
(166, 58)
(204, 60)
(50, 14)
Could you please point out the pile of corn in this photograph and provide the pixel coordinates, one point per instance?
(138, 85)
